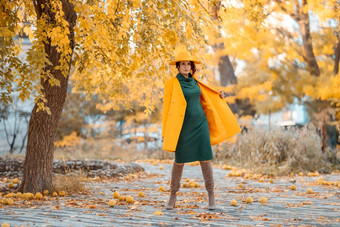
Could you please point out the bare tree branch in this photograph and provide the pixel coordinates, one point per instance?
(6, 132)
(298, 10)
(291, 14)
(290, 37)
(212, 16)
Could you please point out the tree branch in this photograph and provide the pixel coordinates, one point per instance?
(290, 37)
(37, 6)
(298, 10)
(291, 14)
(212, 16)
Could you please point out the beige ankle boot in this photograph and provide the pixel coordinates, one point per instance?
(175, 184)
(208, 176)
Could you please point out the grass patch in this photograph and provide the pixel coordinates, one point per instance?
(274, 152)
(70, 183)
(278, 152)
(108, 149)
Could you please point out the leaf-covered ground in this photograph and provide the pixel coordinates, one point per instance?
(284, 206)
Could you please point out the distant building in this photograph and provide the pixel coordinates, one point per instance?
(294, 114)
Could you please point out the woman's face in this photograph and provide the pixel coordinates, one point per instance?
(184, 67)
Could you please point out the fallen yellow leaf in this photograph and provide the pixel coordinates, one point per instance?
(263, 200)
(129, 199)
(38, 195)
(112, 203)
(116, 195)
(158, 212)
(15, 180)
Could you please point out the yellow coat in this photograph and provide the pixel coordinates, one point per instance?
(222, 122)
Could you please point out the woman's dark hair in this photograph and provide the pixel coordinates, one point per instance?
(193, 66)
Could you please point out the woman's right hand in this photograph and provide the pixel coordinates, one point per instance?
(222, 94)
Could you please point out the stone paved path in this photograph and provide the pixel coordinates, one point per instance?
(284, 206)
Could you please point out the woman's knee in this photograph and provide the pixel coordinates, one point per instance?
(178, 163)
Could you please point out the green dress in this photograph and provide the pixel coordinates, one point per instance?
(194, 139)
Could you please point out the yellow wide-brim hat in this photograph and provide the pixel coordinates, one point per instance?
(184, 55)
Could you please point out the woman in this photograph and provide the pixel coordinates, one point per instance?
(195, 117)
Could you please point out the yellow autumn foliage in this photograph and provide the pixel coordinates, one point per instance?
(68, 141)
(123, 49)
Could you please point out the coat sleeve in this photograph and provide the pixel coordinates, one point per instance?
(166, 105)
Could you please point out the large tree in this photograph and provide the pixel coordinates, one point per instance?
(118, 48)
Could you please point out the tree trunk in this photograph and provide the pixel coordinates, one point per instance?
(303, 21)
(23, 143)
(269, 119)
(337, 56)
(225, 68)
(38, 165)
(227, 75)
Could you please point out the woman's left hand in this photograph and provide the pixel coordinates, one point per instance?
(222, 94)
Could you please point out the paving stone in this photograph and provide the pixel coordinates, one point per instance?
(284, 206)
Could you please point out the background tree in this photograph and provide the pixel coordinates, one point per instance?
(290, 51)
(77, 114)
(15, 121)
